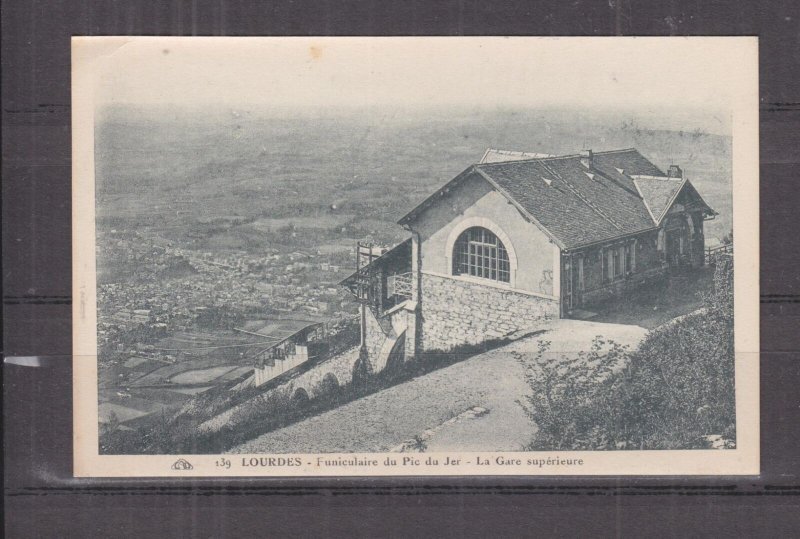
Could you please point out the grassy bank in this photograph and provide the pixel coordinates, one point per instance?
(676, 391)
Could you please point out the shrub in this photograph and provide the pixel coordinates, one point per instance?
(673, 392)
(568, 400)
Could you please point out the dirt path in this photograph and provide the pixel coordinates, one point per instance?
(436, 406)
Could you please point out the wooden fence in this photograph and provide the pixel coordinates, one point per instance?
(713, 252)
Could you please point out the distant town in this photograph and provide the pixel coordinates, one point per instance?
(198, 299)
(290, 282)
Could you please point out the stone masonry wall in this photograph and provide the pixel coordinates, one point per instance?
(340, 366)
(456, 312)
(376, 336)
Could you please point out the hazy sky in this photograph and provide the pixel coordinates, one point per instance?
(639, 74)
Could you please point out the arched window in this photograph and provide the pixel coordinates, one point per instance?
(478, 252)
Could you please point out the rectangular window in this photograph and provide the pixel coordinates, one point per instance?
(604, 258)
(503, 267)
(616, 262)
(580, 273)
(473, 257)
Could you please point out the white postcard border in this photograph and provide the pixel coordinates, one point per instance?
(88, 53)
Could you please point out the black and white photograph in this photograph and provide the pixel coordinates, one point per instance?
(415, 256)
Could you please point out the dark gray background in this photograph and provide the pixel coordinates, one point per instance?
(43, 500)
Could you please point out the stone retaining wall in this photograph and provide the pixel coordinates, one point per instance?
(340, 366)
(456, 312)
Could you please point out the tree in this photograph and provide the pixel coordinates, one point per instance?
(328, 388)
(727, 239)
(219, 317)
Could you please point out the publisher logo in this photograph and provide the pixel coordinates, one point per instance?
(182, 464)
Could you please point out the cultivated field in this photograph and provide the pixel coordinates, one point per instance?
(200, 376)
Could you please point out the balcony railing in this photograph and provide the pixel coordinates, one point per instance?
(402, 285)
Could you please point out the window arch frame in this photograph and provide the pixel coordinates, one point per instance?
(502, 237)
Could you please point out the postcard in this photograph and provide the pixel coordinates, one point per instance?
(415, 256)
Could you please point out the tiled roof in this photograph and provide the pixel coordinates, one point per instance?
(496, 156)
(658, 192)
(573, 204)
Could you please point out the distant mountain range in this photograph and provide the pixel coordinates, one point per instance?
(173, 171)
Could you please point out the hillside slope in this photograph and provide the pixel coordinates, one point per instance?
(468, 406)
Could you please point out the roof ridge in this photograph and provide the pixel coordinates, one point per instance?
(651, 177)
(501, 150)
(616, 151)
(617, 182)
(490, 149)
(551, 158)
(504, 156)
